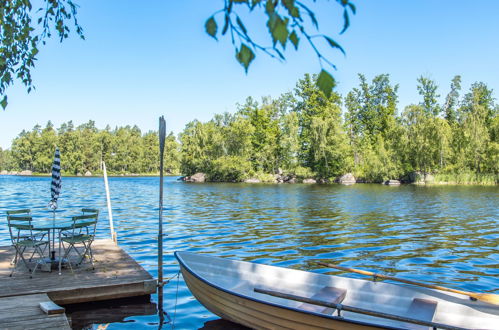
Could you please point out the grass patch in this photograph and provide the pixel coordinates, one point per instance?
(467, 178)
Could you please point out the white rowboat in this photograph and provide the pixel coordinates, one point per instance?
(269, 297)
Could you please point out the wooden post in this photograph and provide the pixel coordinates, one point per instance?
(109, 210)
(162, 135)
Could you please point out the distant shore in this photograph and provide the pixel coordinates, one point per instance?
(457, 180)
(96, 175)
(349, 179)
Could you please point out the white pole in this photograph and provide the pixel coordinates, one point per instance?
(109, 210)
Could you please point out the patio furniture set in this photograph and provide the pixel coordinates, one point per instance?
(34, 240)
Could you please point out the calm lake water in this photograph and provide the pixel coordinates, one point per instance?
(442, 235)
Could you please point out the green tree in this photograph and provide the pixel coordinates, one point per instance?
(373, 129)
(264, 119)
(172, 159)
(451, 101)
(427, 88)
(477, 113)
(46, 144)
(428, 142)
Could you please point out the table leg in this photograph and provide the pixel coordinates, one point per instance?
(60, 256)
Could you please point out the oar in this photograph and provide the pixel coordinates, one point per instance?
(486, 297)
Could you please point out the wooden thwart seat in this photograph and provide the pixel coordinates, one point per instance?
(421, 309)
(327, 294)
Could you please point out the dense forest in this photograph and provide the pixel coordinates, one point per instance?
(124, 149)
(303, 133)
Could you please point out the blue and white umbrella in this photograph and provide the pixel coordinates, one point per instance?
(55, 188)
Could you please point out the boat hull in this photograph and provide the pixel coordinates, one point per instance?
(258, 315)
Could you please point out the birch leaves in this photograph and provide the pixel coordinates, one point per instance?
(287, 22)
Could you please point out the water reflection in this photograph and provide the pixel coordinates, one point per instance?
(442, 235)
(86, 316)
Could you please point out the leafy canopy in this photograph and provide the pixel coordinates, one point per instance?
(23, 28)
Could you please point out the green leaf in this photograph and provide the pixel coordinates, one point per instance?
(294, 39)
(241, 25)
(290, 6)
(280, 31)
(312, 16)
(211, 27)
(347, 21)
(245, 56)
(226, 25)
(325, 82)
(352, 8)
(334, 44)
(254, 3)
(4, 102)
(269, 7)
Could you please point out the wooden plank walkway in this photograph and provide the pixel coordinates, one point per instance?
(116, 275)
(23, 312)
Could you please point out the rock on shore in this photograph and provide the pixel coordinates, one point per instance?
(421, 178)
(252, 180)
(26, 172)
(347, 179)
(309, 181)
(198, 177)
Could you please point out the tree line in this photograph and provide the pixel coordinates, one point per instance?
(306, 134)
(125, 150)
(303, 133)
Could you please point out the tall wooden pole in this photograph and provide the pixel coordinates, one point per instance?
(162, 135)
(109, 209)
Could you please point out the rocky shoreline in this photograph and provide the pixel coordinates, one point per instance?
(346, 179)
(415, 178)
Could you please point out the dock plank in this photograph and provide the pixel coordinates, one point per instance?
(24, 313)
(116, 275)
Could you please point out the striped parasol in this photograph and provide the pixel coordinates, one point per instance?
(55, 187)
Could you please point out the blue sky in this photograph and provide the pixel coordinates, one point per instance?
(143, 59)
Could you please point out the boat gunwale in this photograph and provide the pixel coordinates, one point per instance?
(239, 295)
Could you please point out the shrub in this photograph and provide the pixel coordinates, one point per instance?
(229, 169)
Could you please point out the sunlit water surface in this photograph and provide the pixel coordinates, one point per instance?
(442, 235)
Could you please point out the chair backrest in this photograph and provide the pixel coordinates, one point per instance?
(87, 221)
(24, 211)
(89, 210)
(21, 224)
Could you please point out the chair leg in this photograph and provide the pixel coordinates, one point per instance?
(21, 255)
(66, 255)
(87, 252)
(36, 249)
(16, 260)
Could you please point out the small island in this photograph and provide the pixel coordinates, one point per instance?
(302, 136)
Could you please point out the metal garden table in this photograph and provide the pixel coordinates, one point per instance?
(51, 227)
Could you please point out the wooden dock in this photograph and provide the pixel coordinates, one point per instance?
(116, 275)
(24, 312)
